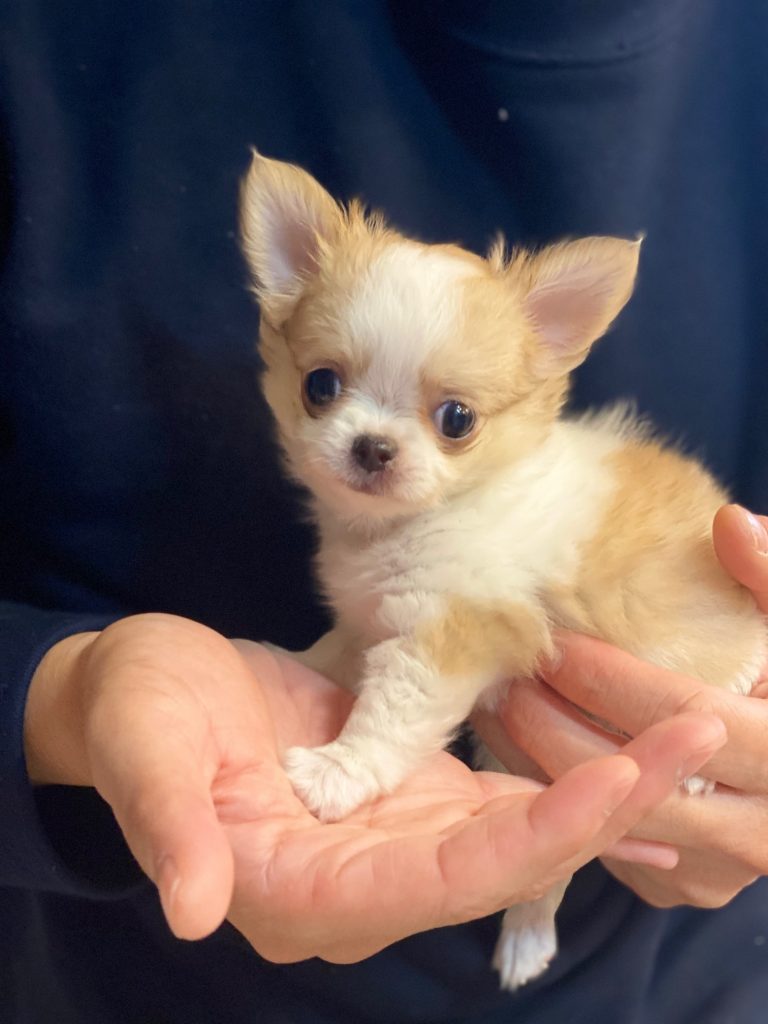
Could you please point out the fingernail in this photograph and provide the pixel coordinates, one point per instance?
(621, 791)
(758, 531)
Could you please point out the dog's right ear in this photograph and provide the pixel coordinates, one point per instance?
(285, 216)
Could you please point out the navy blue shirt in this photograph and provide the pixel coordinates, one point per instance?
(137, 468)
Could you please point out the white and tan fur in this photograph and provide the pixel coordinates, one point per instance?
(448, 569)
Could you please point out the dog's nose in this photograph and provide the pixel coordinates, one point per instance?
(373, 453)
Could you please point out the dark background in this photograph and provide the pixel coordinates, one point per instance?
(136, 466)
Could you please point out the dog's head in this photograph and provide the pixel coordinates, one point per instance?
(401, 373)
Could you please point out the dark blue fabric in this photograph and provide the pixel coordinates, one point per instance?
(137, 470)
(29, 816)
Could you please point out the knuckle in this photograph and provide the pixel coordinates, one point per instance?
(279, 951)
(697, 699)
(279, 938)
(748, 858)
(145, 806)
(751, 854)
(712, 900)
(708, 897)
(663, 900)
(693, 892)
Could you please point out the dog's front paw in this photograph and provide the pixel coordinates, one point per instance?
(330, 780)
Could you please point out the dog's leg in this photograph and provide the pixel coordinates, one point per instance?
(403, 714)
(417, 687)
(528, 939)
(336, 655)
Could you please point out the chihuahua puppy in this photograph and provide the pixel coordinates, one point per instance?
(418, 392)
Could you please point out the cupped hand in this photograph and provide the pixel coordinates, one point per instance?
(718, 842)
(182, 732)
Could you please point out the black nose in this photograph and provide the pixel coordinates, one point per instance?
(373, 453)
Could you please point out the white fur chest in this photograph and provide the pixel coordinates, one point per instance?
(504, 541)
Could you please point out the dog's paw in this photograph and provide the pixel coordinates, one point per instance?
(330, 781)
(697, 785)
(520, 956)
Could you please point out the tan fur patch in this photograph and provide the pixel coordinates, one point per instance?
(485, 363)
(649, 580)
(485, 639)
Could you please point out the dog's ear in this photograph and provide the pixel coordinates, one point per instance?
(285, 216)
(572, 292)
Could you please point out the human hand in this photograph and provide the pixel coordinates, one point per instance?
(721, 840)
(182, 731)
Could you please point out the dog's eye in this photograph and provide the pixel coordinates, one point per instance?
(322, 386)
(454, 419)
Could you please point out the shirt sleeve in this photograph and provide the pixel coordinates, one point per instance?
(56, 838)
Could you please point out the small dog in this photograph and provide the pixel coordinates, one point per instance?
(418, 392)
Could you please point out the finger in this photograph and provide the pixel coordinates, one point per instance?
(550, 731)
(741, 544)
(162, 801)
(723, 822)
(171, 826)
(575, 818)
(667, 752)
(652, 854)
(632, 694)
(706, 882)
(547, 735)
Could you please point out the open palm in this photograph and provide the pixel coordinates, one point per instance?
(448, 846)
(182, 732)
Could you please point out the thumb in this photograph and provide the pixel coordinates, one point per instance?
(741, 543)
(161, 798)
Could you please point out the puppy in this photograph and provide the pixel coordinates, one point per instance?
(418, 392)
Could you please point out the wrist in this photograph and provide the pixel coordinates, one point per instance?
(54, 746)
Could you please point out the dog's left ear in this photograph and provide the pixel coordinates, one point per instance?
(285, 215)
(572, 293)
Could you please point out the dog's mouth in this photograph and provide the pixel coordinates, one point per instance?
(379, 483)
(385, 492)
(375, 484)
